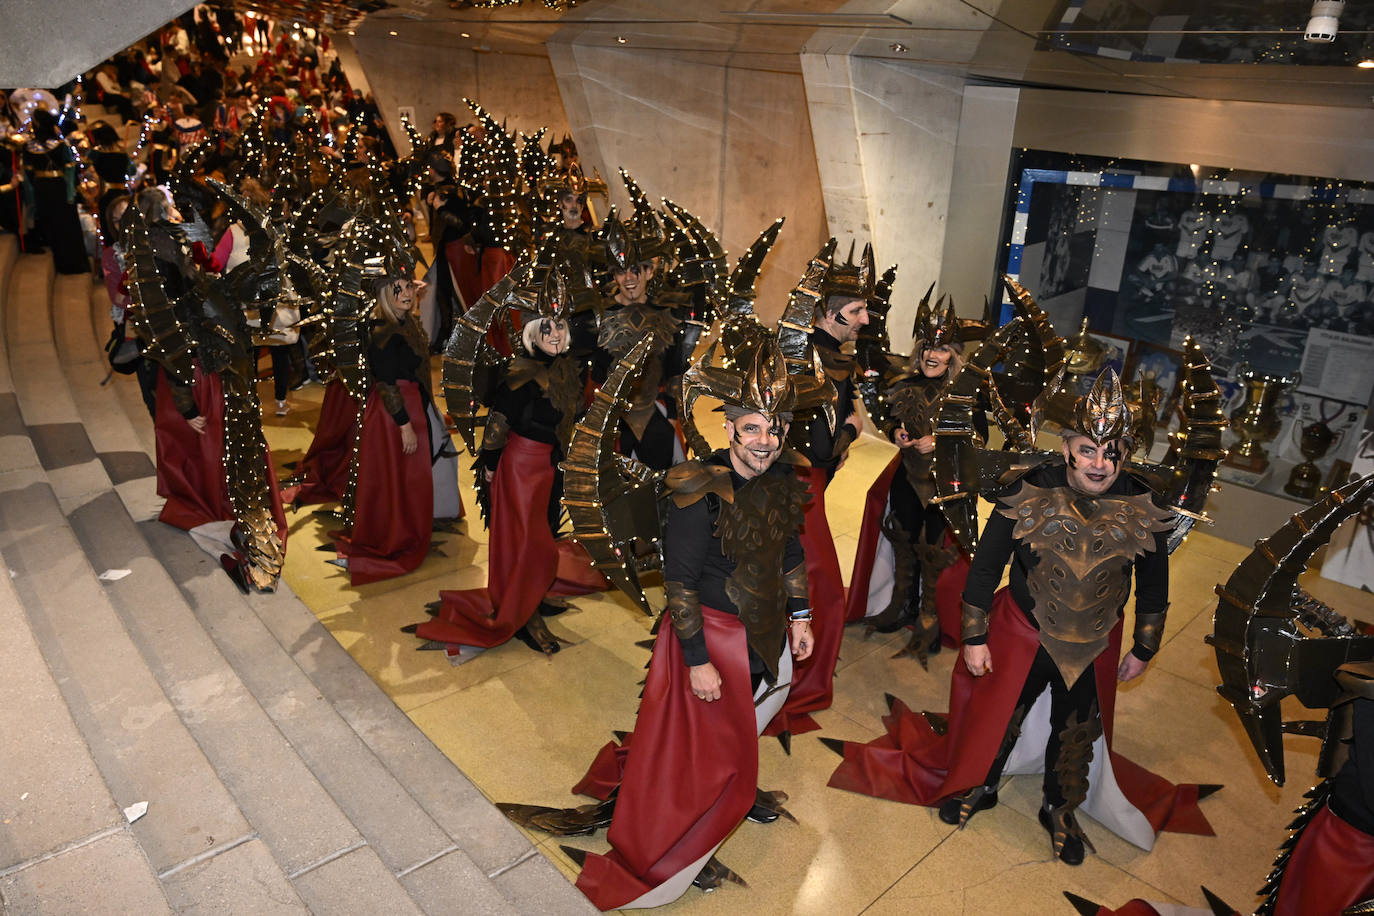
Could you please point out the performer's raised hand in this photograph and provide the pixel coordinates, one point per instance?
(705, 681)
(978, 659)
(1130, 668)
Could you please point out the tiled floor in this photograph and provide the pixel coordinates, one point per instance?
(524, 728)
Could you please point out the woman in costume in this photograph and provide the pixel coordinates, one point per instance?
(50, 189)
(915, 527)
(528, 430)
(407, 469)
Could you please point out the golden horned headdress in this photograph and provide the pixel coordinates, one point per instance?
(754, 380)
(1102, 414)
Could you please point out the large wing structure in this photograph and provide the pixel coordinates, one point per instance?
(1274, 640)
(613, 501)
(467, 353)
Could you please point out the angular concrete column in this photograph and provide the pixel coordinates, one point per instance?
(731, 144)
(885, 134)
(48, 42)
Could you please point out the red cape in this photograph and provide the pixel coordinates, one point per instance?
(190, 465)
(813, 681)
(1331, 868)
(913, 764)
(525, 563)
(692, 776)
(324, 469)
(394, 517)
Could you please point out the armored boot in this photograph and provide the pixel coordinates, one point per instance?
(537, 635)
(925, 635)
(902, 609)
(1071, 772)
(958, 809)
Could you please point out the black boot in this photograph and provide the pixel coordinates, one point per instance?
(959, 809)
(902, 609)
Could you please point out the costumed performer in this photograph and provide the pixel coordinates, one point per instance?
(527, 432)
(1036, 689)
(735, 579)
(915, 528)
(407, 465)
(842, 311)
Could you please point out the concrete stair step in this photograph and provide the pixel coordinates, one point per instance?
(421, 822)
(124, 387)
(56, 802)
(282, 800)
(117, 445)
(393, 823)
(295, 817)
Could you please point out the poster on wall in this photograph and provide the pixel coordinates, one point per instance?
(1271, 274)
(1339, 366)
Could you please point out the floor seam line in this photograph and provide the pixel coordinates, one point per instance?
(206, 855)
(320, 863)
(61, 850)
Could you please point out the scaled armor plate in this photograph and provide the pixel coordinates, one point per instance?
(1078, 584)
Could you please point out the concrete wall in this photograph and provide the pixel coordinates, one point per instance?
(731, 144)
(415, 69)
(885, 134)
(978, 195)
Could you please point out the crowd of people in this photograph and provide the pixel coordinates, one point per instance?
(264, 205)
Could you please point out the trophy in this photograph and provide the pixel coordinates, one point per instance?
(1256, 421)
(1306, 479)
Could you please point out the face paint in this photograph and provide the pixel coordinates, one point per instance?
(545, 327)
(1113, 453)
(1073, 462)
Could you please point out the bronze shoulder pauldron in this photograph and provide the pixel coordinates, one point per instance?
(689, 481)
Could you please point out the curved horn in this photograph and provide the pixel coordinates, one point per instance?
(597, 496)
(1262, 654)
(462, 352)
(742, 293)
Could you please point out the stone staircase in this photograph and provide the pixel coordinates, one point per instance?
(278, 776)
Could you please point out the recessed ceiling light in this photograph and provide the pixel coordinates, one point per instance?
(1366, 64)
(621, 39)
(464, 34)
(898, 47)
(392, 32)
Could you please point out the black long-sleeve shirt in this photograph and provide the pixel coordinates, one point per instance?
(996, 546)
(822, 447)
(1352, 790)
(396, 361)
(693, 555)
(530, 414)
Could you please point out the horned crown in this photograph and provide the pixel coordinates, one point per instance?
(1102, 414)
(855, 280)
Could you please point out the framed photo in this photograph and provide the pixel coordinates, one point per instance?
(1117, 349)
(1166, 366)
